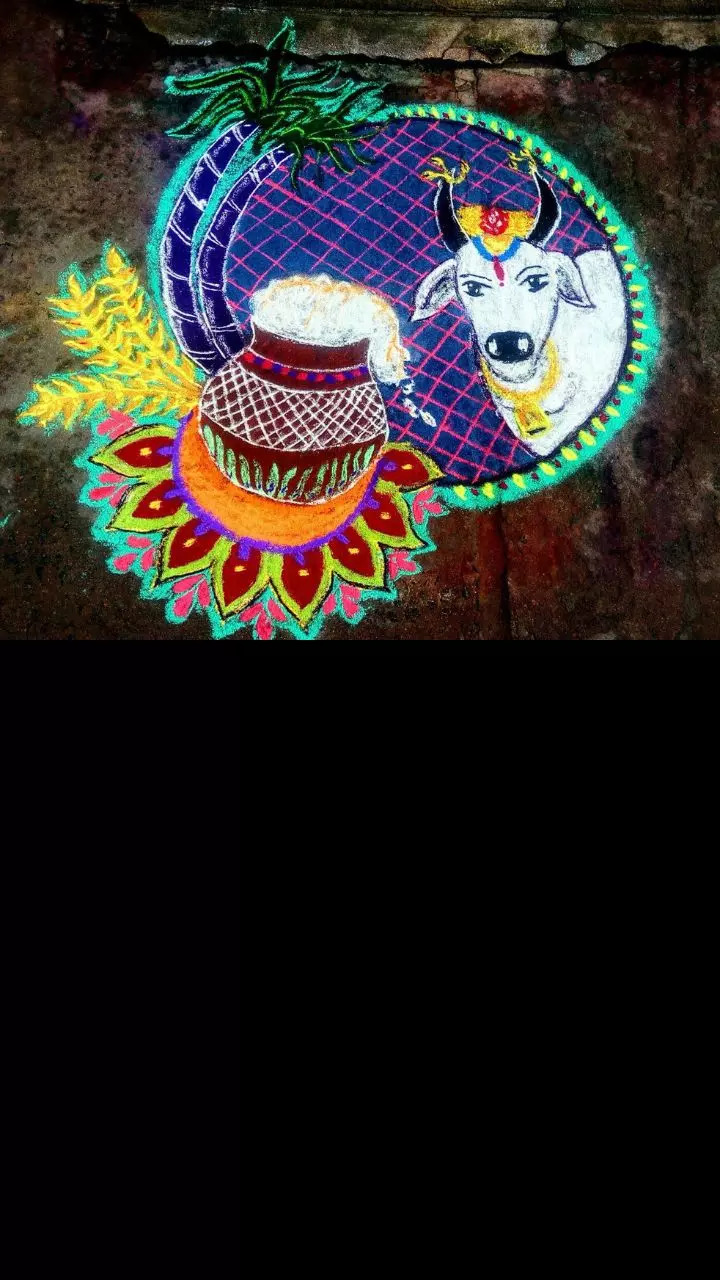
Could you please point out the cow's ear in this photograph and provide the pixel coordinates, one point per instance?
(570, 282)
(436, 290)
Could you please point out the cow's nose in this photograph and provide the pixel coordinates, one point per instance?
(510, 347)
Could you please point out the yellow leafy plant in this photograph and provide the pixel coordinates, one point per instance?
(132, 362)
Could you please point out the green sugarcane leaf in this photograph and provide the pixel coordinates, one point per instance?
(276, 50)
(358, 158)
(284, 39)
(231, 104)
(319, 95)
(331, 93)
(275, 118)
(244, 471)
(190, 86)
(259, 84)
(295, 171)
(202, 118)
(299, 90)
(291, 134)
(335, 156)
(320, 76)
(273, 480)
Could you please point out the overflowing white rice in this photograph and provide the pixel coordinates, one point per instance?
(332, 313)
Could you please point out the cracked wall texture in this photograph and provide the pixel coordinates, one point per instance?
(628, 548)
(458, 30)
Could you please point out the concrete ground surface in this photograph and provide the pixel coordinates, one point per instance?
(628, 548)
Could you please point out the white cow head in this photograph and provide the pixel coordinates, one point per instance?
(508, 283)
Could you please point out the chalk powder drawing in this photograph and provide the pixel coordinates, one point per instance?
(361, 317)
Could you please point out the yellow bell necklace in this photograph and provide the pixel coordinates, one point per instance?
(531, 418)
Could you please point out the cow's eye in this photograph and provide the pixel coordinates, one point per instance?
(536, 283)
(473, 288)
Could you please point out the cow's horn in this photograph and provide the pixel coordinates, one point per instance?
(448, 225)
(548, 214)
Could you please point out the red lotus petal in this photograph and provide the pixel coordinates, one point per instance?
(148, 559)
(135, 541)
(97, 494)
(329, 605)
(186, 545)
(239, 573)
(408, 470)
(302, 581)
(203, 595)
(145, 453)
(156, 505)
(354, 553)
(385, 518)
(123, 562)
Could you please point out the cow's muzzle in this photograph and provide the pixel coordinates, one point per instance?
(511, 347)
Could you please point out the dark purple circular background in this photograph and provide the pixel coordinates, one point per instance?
(376, 226)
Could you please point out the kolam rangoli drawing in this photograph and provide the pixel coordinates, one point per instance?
(356, 317)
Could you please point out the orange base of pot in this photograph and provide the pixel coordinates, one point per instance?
(251, 516)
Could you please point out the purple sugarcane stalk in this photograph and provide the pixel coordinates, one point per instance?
(213, 254)
(190, 326)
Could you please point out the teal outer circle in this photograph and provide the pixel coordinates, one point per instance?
(520, 484)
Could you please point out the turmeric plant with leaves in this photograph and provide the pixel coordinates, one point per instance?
(132, 363)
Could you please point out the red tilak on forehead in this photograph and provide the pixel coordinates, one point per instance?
(498, 269)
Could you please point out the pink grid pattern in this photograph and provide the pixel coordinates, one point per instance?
(376, 226)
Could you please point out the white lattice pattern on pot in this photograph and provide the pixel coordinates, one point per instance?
(292, 418)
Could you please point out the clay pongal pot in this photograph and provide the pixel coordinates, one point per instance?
(293, 421)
